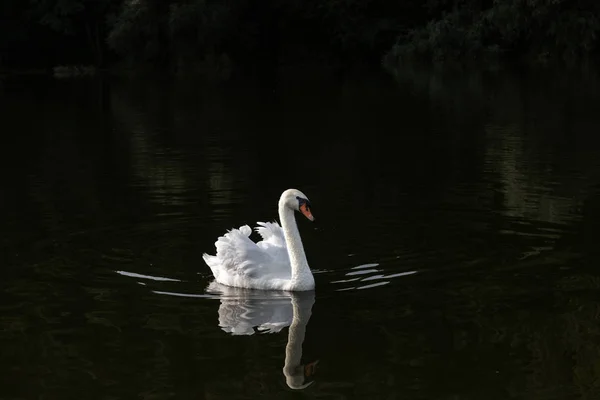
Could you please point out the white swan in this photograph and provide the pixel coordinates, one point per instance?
(277, 262)
(242, 311)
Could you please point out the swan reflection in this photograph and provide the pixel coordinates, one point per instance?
(247, 311)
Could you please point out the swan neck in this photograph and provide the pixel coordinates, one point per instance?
(300, 270)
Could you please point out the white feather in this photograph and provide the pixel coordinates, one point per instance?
(267, 264)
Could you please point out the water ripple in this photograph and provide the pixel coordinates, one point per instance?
(372, 275)
(154, 278)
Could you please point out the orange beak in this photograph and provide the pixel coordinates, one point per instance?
(306, 211)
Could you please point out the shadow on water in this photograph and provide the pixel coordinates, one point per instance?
(455, 255)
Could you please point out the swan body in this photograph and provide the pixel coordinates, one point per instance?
(277, 262)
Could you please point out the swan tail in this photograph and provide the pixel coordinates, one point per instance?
(213, 263)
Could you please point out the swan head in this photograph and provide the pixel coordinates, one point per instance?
(297, 201)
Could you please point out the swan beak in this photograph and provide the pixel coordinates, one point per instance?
(310, 368)
(306, 211)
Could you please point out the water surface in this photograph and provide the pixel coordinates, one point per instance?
(454, 252)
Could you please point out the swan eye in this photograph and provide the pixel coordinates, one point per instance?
(303, 202)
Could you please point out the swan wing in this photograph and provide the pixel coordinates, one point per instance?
(239, 260)
(271, 233)
(237, 254)
(274, 244)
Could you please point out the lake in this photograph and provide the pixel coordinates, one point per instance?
(454, 250)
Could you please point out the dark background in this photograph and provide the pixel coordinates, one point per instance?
(199, 35)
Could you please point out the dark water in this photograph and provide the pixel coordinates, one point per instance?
(455, 252)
